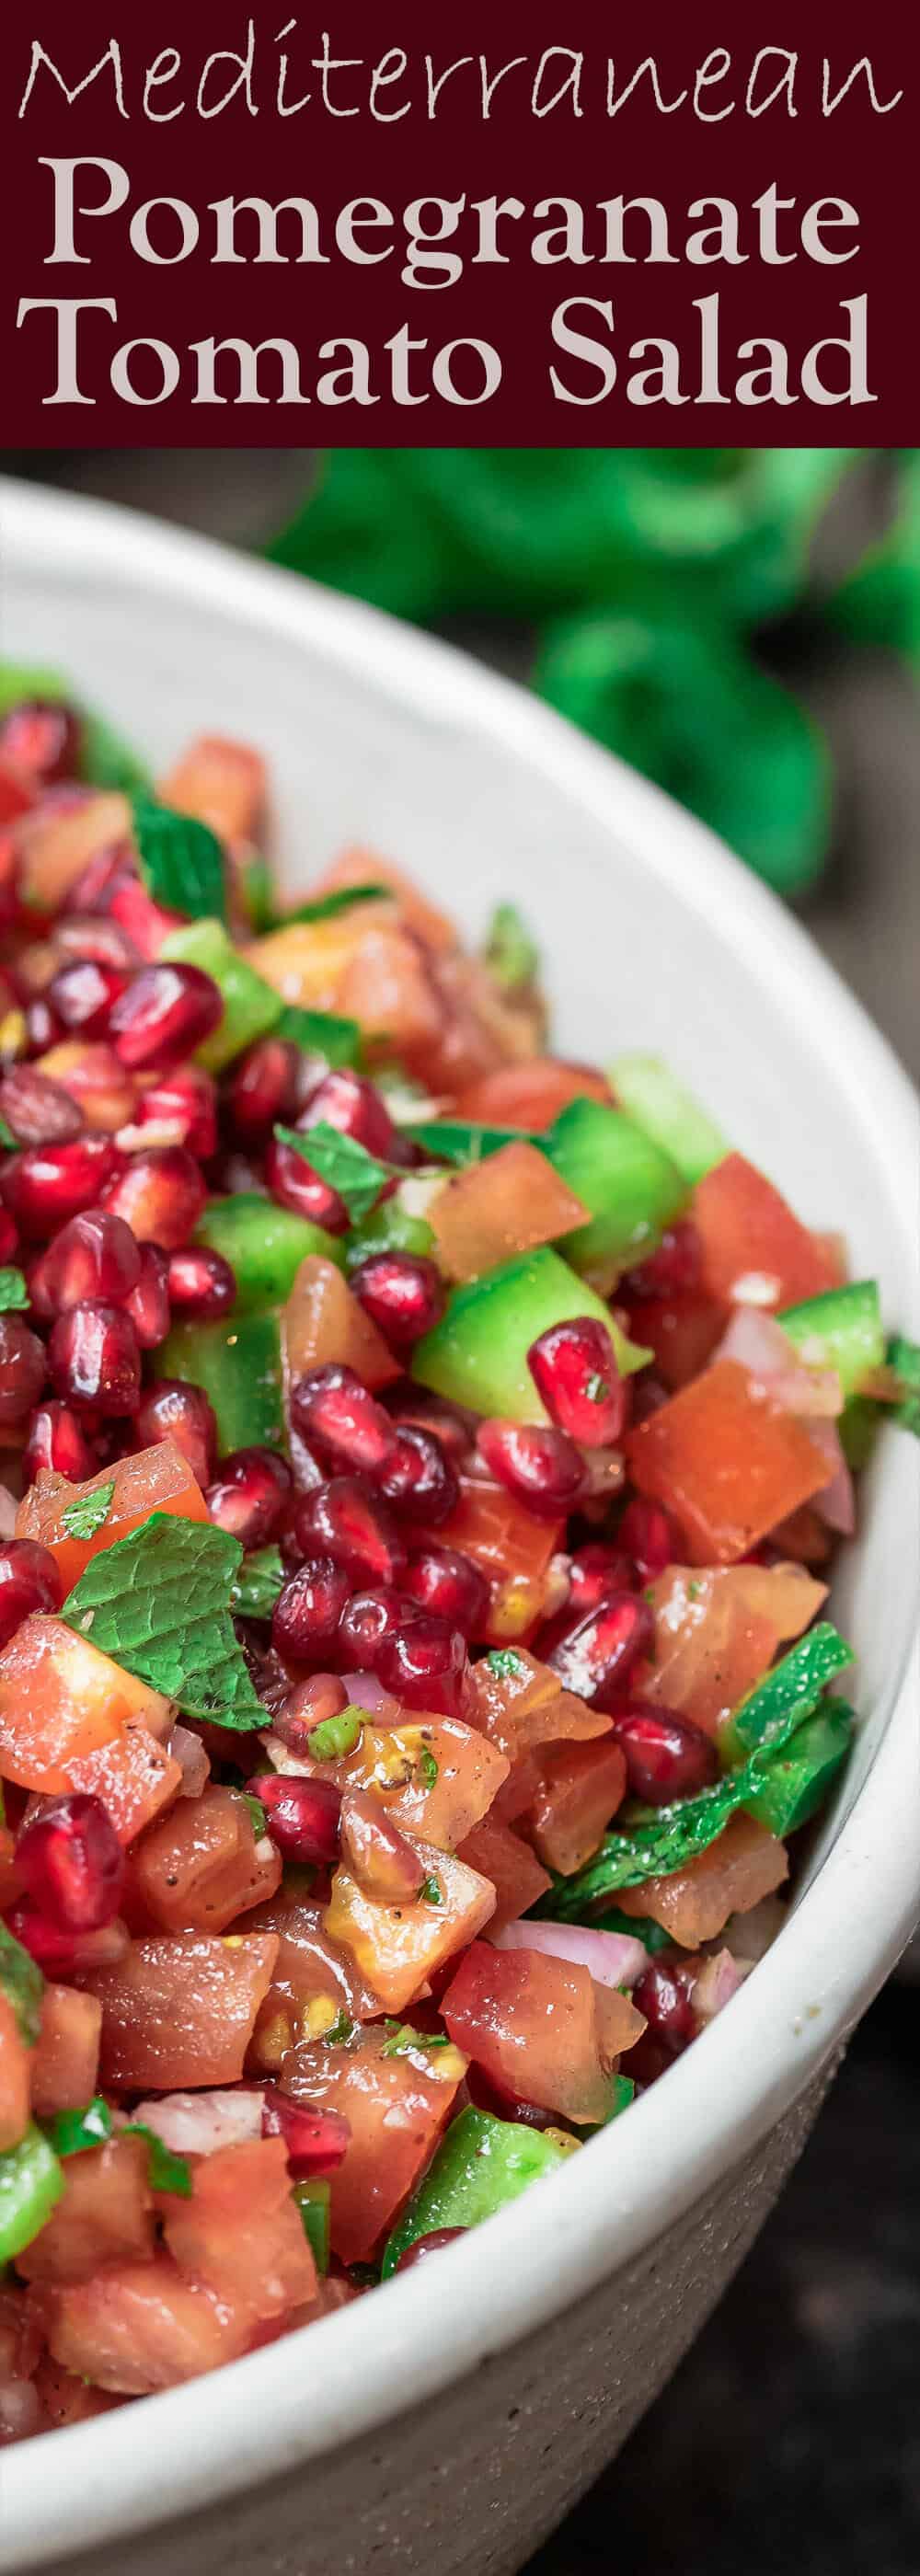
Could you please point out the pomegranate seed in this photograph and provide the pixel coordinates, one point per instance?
(186, 1101)
(161, 1195)
(667, 1756)
(23, 1367)
(294, 1184)
(424, 1662)
(418, 1478)
(441, 1579)
(148, 1304)
(49, 1183)
(9, 1238)
(65, 1954)
(330, 1406)
(94, 1359)
(42, 739)
(646, 1534)
(595, 1659)
(87, 936)
(401, 1293)
(166, 1013)
(144, 922)
(40, 1112)
(542, 1468)
(10, 882)
(388, 1867)
(574, 1369)
(308, 1610)
(82, 996)
(263, 1088)
(662, 1996)
(425, 2245)
(318, 1696)
(368, 1620)
(174, 1410)
(315, 2138)
(303, 1816)
(71, 1863)
(670, 1271)
(57, 1445)
(249, 1496)
(454, 1431)
(349, 1102)
(30, 1579)
(345, 1521)
(94, 1256)
(200, 1284)
(91, 889)
(42, 1025)
(595, 1571)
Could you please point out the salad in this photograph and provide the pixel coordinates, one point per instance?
(423, 1460)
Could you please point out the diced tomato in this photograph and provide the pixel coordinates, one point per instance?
(240, 2235)
(105, 2215)
(752, 1244)
(434, 1776)
(105, 1093)
(199, 1866)
(514, 1550)
(397, 1947)
(180, 2012)
(62, 1701)
(725, 1461)
(682, 1332)
(14, 2077)
(66, 2399)
(515, 1872)
(10, 1881)
(388, 987)
(716, 1631)
(137, 2327)
(804, 1536)
(529, 2022)
(396, 2106)
(16, 794)
(363, 867)
(134, 1776)
(581, 1787)
(57, 842)
(694, 1904)
(222, 783)
(65, 2059)
(521, 1705)
(531, 1094)
(324, 1321)
(153, 1480)
(314, 1980)
(509, 1203)
(307, 961)
(21, 2336)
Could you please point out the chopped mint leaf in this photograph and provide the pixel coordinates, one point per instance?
(13, 1292)
(320, 1033)
(166, 2171)
(428, 1767)
(182, 863)
(258, 1815)
(72, 2132)
(7, 1138)
(84, 1517)
(324, 907)
(503, 1661)
(255, 1589)
(430, 1893)
(401, 2037)
(347, 1166)
(339, 2031)
(510, 953)
(23, 1985)
(158, 1602)
(463, 1140)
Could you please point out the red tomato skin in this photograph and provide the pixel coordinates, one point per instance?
(725, 1462)
(746, 1228)
(179, 2012)
(529, 2022)
(396, 2108)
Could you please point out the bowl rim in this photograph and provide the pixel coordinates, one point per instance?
(258, 2418)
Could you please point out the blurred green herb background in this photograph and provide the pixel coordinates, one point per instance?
(655, 580)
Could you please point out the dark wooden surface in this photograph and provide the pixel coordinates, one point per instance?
(790, 2438)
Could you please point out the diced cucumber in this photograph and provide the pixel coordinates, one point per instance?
(480, 2165)
(477, 1354)
(632, 1189)
(858, 1426)
(389, 1228)
(264, 1245)
(31, 2182)
(251, 1007)
(313, 2201)
(801, 1776)
(841, 1329)
(770, 1708)
(238, 1363)
(651, 1094)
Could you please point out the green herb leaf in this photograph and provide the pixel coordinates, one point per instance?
(622, 2091)
(23, 1985)
(347, 1166)
(7, 1138)
(182, 862)
(401, 2037)
(320, 1033)
(257, 1814)
(324, 907)
(313, 2202)
(904, 1358)
(71, 2133)
(429, 1768)
(511, 955)
(255, 1589)
(167, 2171)
(787, 1694)
(13, 1292)
(431, 1893)
(339, 2031)
(503, 1661)
(463, 1140)
(84, 1517)
(158, 1602)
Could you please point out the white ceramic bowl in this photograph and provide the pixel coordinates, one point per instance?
(449, 2420)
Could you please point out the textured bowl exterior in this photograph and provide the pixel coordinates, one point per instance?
(452, 2418)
